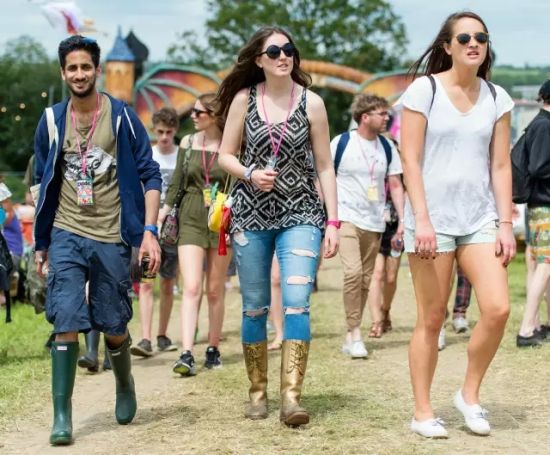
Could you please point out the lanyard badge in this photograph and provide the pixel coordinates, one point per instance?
(272, 161)
(84, 192)
(372, 190)
(84, 185)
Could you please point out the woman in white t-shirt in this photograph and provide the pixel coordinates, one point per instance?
(455, 140)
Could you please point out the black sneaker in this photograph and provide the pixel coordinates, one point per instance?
(212, 358)
(165, 344)
(185, 365)
(526, 342)
(142, 349)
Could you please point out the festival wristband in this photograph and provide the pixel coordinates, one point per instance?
(336, 223)
(248, 172)
(151, 228)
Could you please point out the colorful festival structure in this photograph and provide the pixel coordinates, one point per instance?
(178, 86)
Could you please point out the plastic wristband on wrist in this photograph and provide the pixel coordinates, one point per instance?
(152, 228)
(505, 222)
(336, 223)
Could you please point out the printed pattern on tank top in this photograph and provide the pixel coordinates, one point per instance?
(294, 199)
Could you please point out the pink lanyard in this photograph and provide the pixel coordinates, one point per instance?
(207, 167)
(370, 168)
(277, 147)
(83, 161)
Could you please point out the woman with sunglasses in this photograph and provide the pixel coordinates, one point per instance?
(455, 141)
(276, 206)
(197, 172)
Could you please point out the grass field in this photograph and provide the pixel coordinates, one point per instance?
(355, 406)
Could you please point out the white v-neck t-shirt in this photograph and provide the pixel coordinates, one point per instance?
(364, 164)
(456, 160)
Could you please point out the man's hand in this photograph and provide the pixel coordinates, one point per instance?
(41, 262)
(150, 246)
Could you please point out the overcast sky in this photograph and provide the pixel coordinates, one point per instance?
(519, 29)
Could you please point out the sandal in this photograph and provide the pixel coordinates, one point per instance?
(275, 346)
(376, 330)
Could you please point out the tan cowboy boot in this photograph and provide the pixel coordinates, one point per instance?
(293, 369)
(255, 357)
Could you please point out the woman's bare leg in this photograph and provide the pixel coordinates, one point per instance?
(490, 282)
(215, 292)
(191, 261)
(431, 279)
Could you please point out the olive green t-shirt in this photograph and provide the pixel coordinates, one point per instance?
(99, 221)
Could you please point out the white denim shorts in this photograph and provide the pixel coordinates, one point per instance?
(448, 243)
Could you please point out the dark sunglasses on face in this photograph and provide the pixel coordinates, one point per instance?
(480, 37)
(198, 112)
(274, 51)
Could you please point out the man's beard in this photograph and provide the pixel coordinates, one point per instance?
(85, 93)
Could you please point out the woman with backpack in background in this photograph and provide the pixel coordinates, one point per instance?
(455, 143)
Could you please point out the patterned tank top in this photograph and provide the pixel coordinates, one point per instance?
(294, 199)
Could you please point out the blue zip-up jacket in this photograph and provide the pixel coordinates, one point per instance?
(137, 172)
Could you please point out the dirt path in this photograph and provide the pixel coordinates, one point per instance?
(356, 406)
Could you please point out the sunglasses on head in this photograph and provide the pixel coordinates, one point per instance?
(274, 51)
(198, 112)
(480, 37)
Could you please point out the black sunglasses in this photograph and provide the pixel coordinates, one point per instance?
(480, 37)
(198, 112)
(274, 51)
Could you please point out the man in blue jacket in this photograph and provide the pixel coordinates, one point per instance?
(98, 195)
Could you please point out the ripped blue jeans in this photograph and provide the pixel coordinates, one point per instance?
(297, 250)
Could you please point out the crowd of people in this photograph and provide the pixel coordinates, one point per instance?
(294, 197)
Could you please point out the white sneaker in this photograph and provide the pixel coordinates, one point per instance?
(346, 348)
(358, 350)
(460, 325)
(431, 428)
(441, 340)
(474, 415)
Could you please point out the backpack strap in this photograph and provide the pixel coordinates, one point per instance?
(492, 89)
(342, 144)
(387, 150)
(434, 89)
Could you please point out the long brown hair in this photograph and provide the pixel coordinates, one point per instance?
(208, 100)
(246, 73)
(438, 60)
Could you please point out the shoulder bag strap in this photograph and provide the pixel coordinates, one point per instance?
(183, 181)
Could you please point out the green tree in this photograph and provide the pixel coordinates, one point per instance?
(364, 34)
(27, 79)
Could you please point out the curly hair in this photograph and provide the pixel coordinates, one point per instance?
(364, 103)
(167, 116)
(78, 43)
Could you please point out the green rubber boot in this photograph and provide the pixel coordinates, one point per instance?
(64, 355)
(126, 404)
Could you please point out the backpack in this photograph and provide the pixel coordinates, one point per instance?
(343, 142)
(35, 286)
(6, 267)
(521, 179)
